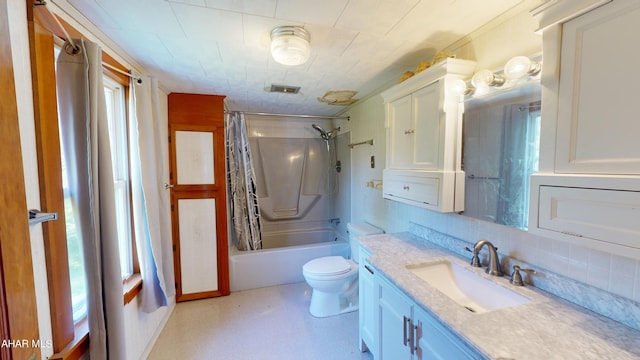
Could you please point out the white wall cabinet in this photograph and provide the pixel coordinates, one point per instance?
(415, 130)
(598, 128)
(423, 121)
(588, 188)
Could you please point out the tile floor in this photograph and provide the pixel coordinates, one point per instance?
(264, 324)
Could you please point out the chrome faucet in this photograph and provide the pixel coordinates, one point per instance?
(494, 267)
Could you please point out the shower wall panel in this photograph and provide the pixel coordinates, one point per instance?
(292, 178)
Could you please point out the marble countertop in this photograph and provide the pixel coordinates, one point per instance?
(548, 327)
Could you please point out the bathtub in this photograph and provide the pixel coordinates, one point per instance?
(281, 259)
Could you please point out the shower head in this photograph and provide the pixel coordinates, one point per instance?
(323, 134)
(326, 135)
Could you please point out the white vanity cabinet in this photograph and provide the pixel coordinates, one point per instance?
(368, 304)
(588, 188)
(407, 331)
(423, 121)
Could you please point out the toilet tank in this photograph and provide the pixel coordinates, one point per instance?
(360, 229)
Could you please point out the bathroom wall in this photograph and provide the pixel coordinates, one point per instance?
(491, 46)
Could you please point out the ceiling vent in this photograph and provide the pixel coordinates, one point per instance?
(339, 97)
(283, 89)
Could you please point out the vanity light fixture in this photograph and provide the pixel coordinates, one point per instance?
(290, 45)
(520, 66)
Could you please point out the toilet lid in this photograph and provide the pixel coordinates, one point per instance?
(329, 265)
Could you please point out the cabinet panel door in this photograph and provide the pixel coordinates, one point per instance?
(428, 127)
(368, 308)
(401, 134)
(395, 308)
(436, 342)
(608, 216)
(597, 113)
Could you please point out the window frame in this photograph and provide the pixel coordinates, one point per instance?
(70, 341)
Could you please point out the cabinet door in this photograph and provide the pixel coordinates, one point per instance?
(395, 320)
(428, 126)
(598, 123)
(401, 132)
(434, 342)
(369, 334)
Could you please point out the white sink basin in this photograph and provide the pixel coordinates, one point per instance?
(477, 294)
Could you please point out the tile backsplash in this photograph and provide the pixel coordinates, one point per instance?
(599, 268)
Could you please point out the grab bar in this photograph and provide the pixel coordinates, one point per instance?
(370, 142)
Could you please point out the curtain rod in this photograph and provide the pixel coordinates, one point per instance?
(43, 3)
(75, 48)
(111, 67)
(294, 115)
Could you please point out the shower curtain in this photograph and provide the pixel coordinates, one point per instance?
(85, 138)
(242, 185)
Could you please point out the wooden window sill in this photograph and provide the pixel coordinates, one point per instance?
(131, 287)
(78, 346)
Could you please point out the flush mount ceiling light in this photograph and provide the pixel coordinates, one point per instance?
(290, 45)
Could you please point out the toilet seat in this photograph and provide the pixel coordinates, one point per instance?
(327, 266)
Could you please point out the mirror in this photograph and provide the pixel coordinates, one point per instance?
(501, 141)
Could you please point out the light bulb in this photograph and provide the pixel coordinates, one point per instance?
(485, 78)
(459, 87)
(520, 66)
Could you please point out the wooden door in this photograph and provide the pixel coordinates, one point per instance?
(198, 196)
(18, 312)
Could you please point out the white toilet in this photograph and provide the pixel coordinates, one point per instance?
(334, 279)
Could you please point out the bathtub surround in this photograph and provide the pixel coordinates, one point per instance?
(605, 303)
(302, 203)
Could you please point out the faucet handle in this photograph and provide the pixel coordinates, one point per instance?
(516, 277)
(475, 260)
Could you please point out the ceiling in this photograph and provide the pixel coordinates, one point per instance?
(222, 46)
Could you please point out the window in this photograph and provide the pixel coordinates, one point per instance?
(74, 249)
(66, 273)
(116, 114)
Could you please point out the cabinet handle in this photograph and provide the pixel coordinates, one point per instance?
(407, 132)
(405, 329)
(368, 269)
(414, 338)
(571, 233)
(405, 187)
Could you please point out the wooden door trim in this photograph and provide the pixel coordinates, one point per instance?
(18, 305)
